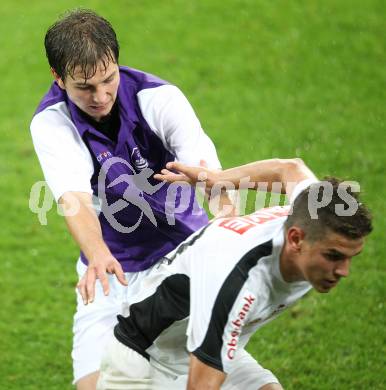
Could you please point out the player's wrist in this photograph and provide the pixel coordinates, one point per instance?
(98, 255)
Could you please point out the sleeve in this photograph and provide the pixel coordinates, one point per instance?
(64, 158)
(171, 117)
(300, 187)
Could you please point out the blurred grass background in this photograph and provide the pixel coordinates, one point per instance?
(267, 79)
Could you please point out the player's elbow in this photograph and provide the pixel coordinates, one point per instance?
(292, 168)
(289, 170)
(294, 164)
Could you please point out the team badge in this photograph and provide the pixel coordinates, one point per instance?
(137, 159)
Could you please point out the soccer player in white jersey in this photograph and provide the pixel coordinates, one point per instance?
(189, 326)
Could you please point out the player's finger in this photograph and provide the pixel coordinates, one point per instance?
(160, 176)
(104, 280)
(203, 163)
(176, 166)
(120, 274)
(171, 177)
(90, 284)
(193, 173)
(81, 286)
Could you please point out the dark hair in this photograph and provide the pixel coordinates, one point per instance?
(80, 38)
(343, 214)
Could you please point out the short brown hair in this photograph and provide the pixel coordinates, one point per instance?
(80, 38)
(328, 218)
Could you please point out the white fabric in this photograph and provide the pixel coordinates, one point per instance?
(94, 323)
(171, 117)
(122, 369)
(66, 161)
(63, 156)
(263, 295)
(300, 187)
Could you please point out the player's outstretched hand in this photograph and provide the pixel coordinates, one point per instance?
(176, 171)
(98, 270)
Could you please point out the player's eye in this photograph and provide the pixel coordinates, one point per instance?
(333, 256)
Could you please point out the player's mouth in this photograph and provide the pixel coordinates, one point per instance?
(330, 282)
(99, 108)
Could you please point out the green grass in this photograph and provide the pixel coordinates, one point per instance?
(266, 79)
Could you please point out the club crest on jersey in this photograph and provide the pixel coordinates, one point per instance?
(138, 161)
(103, 155)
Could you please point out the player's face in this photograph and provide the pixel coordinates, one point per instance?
(94, 96)
(323, 263)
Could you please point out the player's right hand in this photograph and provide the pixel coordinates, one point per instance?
(176, 171)
(99, 269)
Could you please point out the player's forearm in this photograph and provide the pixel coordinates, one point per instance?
(203, 377)
(84, 225)
(221, 205)
(201, 385)
(282, 171)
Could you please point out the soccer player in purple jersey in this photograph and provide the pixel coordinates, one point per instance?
(99, 133)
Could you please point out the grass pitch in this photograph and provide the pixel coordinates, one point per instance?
(267, 79)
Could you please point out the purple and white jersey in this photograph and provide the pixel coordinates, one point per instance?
(157, 125)
(211, 294)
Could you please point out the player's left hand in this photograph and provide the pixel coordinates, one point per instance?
(98, 270)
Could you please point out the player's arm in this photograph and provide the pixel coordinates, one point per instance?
(203, 377)
(220, 202)
(85, 228)
(67, 168)
(288, 172)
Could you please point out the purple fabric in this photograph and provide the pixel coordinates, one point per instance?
(141, 148)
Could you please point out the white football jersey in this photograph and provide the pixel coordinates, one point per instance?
(212, 293)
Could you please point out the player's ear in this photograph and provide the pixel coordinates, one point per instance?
(58, 79)
(295, 238)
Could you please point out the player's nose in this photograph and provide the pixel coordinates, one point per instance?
(100, 96)
(343, 268)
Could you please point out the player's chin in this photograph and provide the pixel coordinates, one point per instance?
(324, 286)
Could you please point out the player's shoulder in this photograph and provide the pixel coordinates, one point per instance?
(139, 79)
(54, 124)
(56, 114)
(160, 94)
(260, 224)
